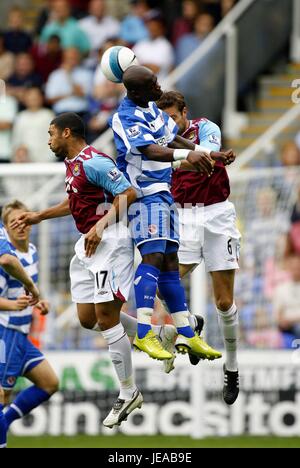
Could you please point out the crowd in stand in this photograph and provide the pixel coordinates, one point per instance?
(55, 67)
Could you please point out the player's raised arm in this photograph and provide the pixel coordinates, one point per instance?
(35, 217)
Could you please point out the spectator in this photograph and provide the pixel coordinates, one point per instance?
(133, 27)
(98, 27)
(156, 53)
(204, 24)
(47, 57)
(66, 27)
(287, 301)
(31, 127)
(185, 24)
(24, 77)
(16, 39)
(8, 112)
(7, 60)
(68, 88)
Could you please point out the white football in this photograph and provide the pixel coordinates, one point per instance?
(115, 61)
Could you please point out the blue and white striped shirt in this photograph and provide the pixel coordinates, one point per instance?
(5, 247)
(134, 127)
(10, 288)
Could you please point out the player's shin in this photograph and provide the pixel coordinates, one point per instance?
(145, 286)
(120, 352)
(25, 402)
(229, 324)
(173, 294)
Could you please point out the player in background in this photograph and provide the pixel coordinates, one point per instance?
(102, 269)
(10, 263)
(143, 141)
(19, 356)
(220, 243)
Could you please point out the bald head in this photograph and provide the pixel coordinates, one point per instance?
(136, 76)
(142, 85)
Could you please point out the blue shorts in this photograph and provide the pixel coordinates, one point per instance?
(154, 222)
(17, 356)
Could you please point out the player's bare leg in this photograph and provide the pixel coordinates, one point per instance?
(223, 286)
(44, 377)
(45, 385)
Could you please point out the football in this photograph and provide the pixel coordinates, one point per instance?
(115, 61)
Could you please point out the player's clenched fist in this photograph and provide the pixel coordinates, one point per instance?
(226, 157)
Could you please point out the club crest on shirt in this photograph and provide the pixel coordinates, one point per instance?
(76, 170)
(152, 229)
(192, 135)
(11, 380)
(133, 132)
(114, 174)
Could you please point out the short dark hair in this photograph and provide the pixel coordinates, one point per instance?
(72, 121)
(172, 98)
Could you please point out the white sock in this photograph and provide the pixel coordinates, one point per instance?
(120, 351)
(229, 324)
(193, 321)
(129, 323)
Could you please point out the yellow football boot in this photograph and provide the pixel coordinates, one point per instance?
(152, 346)
(197, 347)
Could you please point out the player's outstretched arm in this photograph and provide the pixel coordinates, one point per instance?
(35, 217)
(201, 161)
(13, 267)
(119, 208)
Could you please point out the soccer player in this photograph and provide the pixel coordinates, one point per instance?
(19, 356)
(219, 248)
(102, 269)
(10, 263)
(143, 141)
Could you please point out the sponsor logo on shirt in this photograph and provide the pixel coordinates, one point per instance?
(162, 141)
(114, 174)
(133, 132)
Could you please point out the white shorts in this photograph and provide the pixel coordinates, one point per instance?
(210, 234)
(109, 273)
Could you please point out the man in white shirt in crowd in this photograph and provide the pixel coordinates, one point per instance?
(67, 88)
(157, 52)
(98, 26)
(31, 127)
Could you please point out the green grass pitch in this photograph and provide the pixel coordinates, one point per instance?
(120, 441)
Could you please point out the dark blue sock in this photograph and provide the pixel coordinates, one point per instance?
(26, 401)
(3, 428)
(172, 291)
(145, 286)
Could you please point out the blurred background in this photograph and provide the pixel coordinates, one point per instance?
(238, 64)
